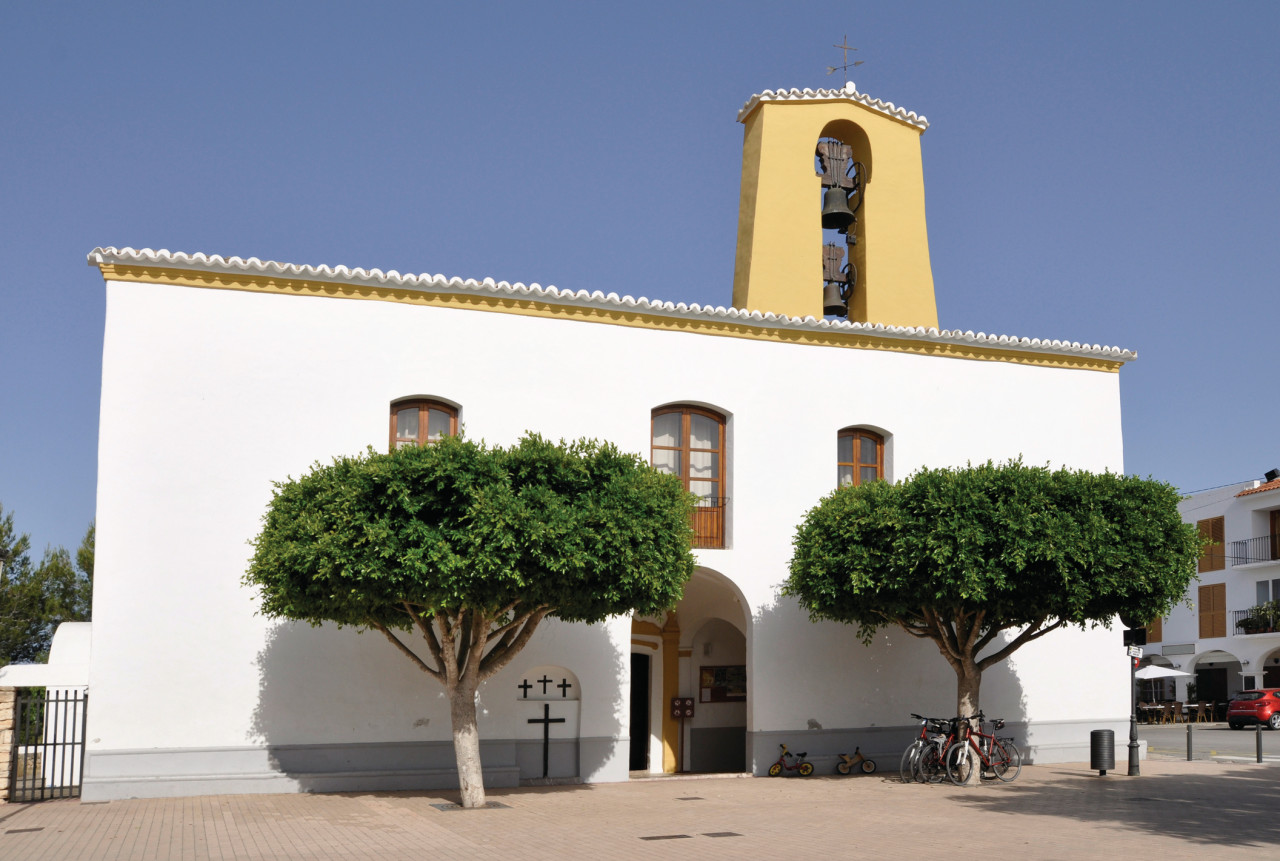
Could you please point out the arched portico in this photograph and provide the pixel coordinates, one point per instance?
(699, 651)
(1218, 675)
(1269, 664)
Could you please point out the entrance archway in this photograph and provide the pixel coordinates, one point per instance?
(699, 651)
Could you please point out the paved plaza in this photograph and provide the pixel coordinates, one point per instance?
(1203, 810)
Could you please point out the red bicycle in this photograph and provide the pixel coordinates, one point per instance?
(801, 765)
(978, 751)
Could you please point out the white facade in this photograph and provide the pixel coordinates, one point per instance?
(220, 377)
(1209, 634)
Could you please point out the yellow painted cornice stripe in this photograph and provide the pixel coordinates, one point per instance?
(614, 316)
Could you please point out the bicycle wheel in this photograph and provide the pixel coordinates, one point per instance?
(806, 769)
(868, 767)
(907, 768)
(962, 763)
(930, 767)
(775, 769)
(842, 767)
(1006, 760)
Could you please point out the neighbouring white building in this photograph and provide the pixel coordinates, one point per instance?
(1227, 632)
(221, 375)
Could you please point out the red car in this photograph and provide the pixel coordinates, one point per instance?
(1260, 706)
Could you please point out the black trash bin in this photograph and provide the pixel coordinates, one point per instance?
(1102, 751)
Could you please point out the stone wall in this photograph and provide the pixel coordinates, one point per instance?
(8, 703)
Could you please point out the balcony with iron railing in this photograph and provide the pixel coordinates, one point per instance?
(708, 522)
(1263, 619)
(1264, 548)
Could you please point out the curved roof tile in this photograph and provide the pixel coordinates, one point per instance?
(849, 92)
(597, 299)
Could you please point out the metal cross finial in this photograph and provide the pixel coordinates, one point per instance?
(846, 48)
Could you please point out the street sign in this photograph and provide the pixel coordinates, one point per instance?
(1135, 651)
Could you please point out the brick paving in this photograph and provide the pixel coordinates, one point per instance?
(1175, 810)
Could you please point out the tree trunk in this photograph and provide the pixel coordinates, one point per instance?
(466, 743)
(968, 686)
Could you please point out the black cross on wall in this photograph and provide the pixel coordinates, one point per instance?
(524, 686)
(546, 720)
(544, 681)
(564, 686)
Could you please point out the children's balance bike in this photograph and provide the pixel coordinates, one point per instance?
(849, 763)
(801, 765)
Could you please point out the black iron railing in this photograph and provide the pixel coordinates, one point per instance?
(1264, 548)
(48, 745)
(708, 522)
(1256, 620)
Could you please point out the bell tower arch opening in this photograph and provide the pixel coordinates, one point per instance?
(781, 256)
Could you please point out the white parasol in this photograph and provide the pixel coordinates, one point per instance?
(1158, 672)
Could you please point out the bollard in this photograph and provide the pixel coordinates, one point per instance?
(1189, 728)
(1102, 751)
(1258, 735)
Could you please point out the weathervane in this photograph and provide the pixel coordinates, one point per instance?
(846, 48)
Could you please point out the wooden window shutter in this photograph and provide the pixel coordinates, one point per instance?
(1213, 610)
(1155, 630)
(1213, 557)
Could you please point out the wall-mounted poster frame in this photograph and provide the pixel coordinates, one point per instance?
(727, 684)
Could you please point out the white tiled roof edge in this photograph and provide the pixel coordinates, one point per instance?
(594, 299)
(849, 92)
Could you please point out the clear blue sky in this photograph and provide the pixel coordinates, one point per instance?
(1096, 172)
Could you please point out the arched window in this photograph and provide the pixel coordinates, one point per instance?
(689, 442)
(421, 421)
(859, 456)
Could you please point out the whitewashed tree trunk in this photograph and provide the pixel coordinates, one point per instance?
(466, 745)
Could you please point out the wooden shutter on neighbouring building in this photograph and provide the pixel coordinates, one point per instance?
(1214, 557)
(1155, 630)
(1213, 610)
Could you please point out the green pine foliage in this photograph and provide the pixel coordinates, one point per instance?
(36, 598)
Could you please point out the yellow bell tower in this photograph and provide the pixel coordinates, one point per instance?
(779, 263)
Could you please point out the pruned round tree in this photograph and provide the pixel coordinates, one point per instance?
(470, 547)
(959, 556)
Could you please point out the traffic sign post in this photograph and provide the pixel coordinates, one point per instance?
(1135, 653)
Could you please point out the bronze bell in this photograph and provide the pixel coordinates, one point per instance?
(836, 214)
(832, 301)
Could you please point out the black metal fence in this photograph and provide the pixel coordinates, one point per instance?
(48, 745)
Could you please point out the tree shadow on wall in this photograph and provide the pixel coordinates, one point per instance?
(1236, 807)
(343, 710)
(821, 684)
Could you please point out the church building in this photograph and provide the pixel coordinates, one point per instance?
(828, 367)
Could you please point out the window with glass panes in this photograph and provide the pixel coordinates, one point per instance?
(859, 456)
(689, 442)
(421, 422)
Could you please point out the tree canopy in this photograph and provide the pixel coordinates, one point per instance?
(960, 555)
(471, 547)
(36, 598)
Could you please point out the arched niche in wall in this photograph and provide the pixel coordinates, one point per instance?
(548, 722)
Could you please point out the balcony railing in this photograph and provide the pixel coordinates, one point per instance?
(1256, 620)
(708, 522)
(1264, 548)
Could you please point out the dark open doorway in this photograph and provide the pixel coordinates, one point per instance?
(1211, 684)
(639, 760)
